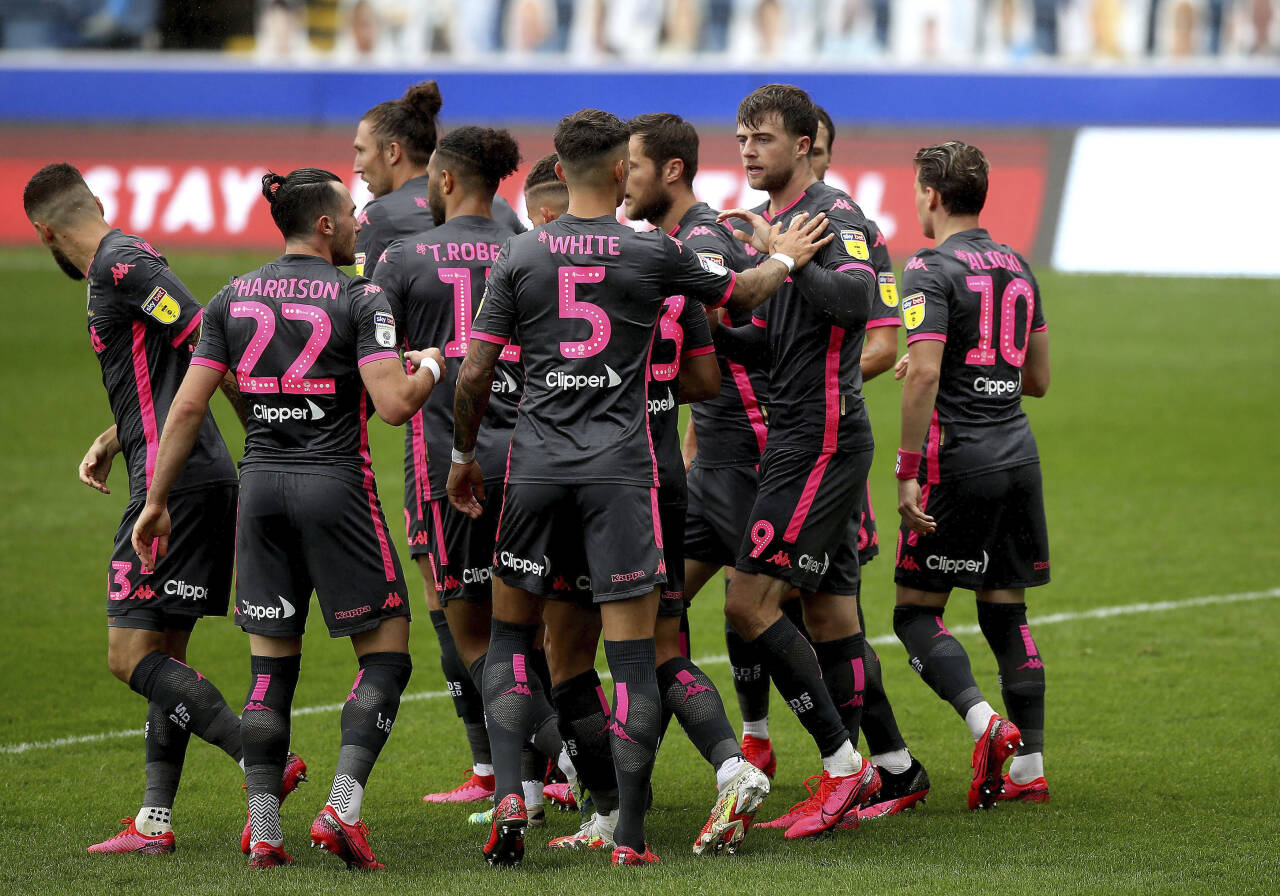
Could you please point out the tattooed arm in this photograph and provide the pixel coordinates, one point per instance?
(231, 388)
(470, 398)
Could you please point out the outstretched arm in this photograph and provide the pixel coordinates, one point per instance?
(470, 398)
(800, 242)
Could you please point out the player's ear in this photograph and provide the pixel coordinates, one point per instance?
(102, 211)
(560, 173)
(393, 152)
(548, 213)
(803, 145)
(674, 171)
(620, 171)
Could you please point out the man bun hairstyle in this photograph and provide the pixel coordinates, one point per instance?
(409, 121)
(300, 198)
(958, 172)
(798, 113)
(586, 137)
(668, 137)
(56, 190)
(485, 153)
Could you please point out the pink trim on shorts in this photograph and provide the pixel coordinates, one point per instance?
(211, 364)
(435, 517)
(762, 324)
(1040, 329)
(418, 444)
(371, 490)
(648, 432)
(146, 403)
(657, 518)
(806, 499)
(195, 322)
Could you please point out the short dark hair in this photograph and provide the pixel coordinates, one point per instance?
(300, 198)
(55, 189)
(958, 172)
(798, 113)
(824, 119)
(488, 154)
(586, 136)
(668, 137)
(409, 121)
(543, 173)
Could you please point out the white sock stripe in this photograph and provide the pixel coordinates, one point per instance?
(878, 641)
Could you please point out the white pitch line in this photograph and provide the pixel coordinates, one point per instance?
(1162, 606)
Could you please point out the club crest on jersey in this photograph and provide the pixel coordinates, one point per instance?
(888, 290)
(855, 243)
(913, 310)
(162, 306)
(712, 263)
(359, 264)
(384, 329)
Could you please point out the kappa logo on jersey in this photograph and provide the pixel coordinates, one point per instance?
(268, 414)
(559, 379)
(913, 310)
(360, 256)
(855, 243)
(916, 264)
(253, 611)
(421, 248)
(658, 405)
(384, 325)
(504, 384)
(842, 205)
(420, 201)
(880, 240)
(888, 290)
(96, 341)
(700, 230)
(162, 306)
(712, 263)
(118, 272)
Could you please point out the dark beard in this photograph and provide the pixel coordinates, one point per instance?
(656, 210)
(65, 263)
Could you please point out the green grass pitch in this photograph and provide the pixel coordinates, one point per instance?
(1162, 472)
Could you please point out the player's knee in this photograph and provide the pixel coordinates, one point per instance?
(906, 615)
(391, 669)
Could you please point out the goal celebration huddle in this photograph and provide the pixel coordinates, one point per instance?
(552, 505)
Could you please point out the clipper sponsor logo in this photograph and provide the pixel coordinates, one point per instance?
(477, 575)
(353, 614)
(185, 590)
(253, 611)
(568, 382)
(944, 564)
(809, 563)
(522, 564)
(268, 414)
(659, 405)
(504, 383)
(997, 388)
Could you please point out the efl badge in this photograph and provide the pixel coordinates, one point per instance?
(855, 244)
(712, 263)
(359, 264)
(162, 306)
(888, 290)
(384, 329)
(913, 310)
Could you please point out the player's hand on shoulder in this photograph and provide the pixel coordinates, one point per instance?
(913, 515)
(802, 238)
(465, 488)
(151, 535)
(757, 239)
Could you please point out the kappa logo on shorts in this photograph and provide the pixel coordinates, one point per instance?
(450, 583)
(627, 576)
(909, 564)
(393, 600)
(352, 614)
(1040, 565)
(420, 538)
(781, 559)
(146, 592)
